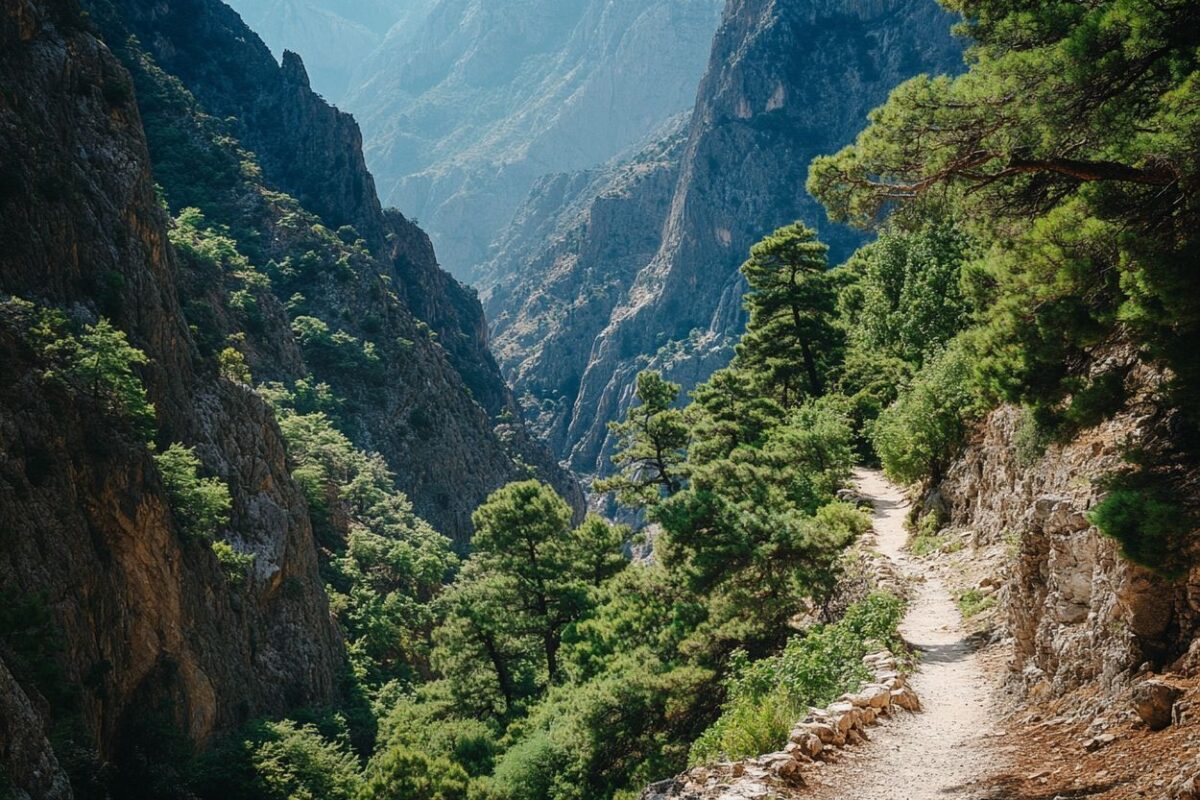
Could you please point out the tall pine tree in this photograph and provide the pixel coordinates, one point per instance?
(791, 338)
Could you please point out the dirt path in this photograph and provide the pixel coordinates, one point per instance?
(946, 750)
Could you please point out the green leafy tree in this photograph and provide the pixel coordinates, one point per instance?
(385, 565)
(912, 299)
(755, 531)
(232, 366)
(652, 443)
(296, 763)
(401, 772)
(482, 648)
(791, 340)
(1069, 148)
(729, 411)
(530, 577)
(201, 505)
(597, 548)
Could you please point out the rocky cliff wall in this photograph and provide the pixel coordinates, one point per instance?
(1078, 612)
(787, 80)
(139, 621)
(565, 263)
(434, 407)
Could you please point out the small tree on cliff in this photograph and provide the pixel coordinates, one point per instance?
(100, 362)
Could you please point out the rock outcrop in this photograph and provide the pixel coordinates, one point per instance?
(334, 36)
(1078, 612)
(565, 263)
(107, 602)
(787, 80)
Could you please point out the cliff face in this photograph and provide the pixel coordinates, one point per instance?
(139, 621)
(787, 80)
(432, 403)
(565, 263)
(474, 100)
(306, 147)
(1078, 612)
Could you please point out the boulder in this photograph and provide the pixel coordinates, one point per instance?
(1097, 742)
(858, 699)
(906, 698)
(878, 696)
(1154, 702)
(844, 717)
(824, 733)
(892, 680)
(809, 745)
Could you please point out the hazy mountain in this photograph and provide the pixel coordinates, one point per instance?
(333, 36)
(787, 81)
(471, 101)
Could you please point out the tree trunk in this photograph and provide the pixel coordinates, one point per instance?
(810, 366)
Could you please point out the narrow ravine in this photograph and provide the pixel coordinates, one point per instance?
(949, 749)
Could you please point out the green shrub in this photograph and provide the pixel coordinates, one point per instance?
(973, 602)
(234, 563)
(918, 435)
(233, 367)
(928, 538)
(296, 763)
(400, 772)
(201, 505)
(1152, 528)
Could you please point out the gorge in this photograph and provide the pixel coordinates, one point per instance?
(295, 485)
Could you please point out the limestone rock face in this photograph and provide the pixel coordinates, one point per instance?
(565, 263)
(1154, 702)
(334, 36)
(145, 618)
(29, 762)
(1077, 610)
(787, 80)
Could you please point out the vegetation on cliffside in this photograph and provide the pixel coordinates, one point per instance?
(1067, 152)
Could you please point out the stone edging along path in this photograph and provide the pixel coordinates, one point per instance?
(814, 740)
(937, 754)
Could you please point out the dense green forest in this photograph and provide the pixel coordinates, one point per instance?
(1036, 244)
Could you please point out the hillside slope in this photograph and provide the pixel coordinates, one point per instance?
(431, 402)
(115, 619)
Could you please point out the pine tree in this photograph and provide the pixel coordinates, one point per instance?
(524, 531)
(652, 445)
(791, 338)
